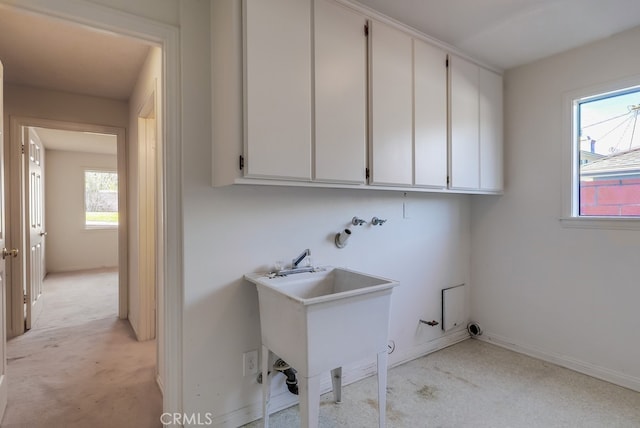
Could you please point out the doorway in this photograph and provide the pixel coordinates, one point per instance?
(169, 266)
(24, 299)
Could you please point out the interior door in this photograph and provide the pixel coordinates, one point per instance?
(34, 209)
(3, 285)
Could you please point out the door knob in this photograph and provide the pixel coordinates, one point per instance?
(6, 253)
(43, 233)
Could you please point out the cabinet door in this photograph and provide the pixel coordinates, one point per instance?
(340, 94)
(430, 115)
(277, 89)
(491, 145)
(464, 105)
(391, 110)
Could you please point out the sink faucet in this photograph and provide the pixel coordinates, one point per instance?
(295, 266)
(295, 262)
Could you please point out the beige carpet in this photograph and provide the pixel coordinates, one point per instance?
(80, 366)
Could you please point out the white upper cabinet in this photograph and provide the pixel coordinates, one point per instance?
(340, 94)
(324, 103)
(476, 127)
(465, 124)
(430, 115)
(491, 143)
(391, 105)
(277, 89)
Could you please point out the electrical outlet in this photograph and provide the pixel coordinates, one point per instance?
(250, 363)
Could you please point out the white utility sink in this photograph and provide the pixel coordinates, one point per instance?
(319, 321)
(325, 284)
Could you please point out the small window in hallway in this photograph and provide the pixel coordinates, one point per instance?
(101, 199)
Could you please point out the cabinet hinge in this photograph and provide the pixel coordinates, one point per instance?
(366, 29)
(448, 180)
(366, 173)
(446, 63)
(22, 149)
(24, 299)
(241, 162)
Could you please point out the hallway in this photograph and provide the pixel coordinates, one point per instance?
(80, 366)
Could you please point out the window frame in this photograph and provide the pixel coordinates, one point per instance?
(84, 198)
(570, 216)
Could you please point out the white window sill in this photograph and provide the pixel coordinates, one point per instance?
(592, 222)
(101, 227)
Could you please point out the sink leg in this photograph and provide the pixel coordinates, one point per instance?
(382, 388)
(336, 381)
(266, 387)
(309, 392)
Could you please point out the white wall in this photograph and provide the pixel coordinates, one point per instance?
(70, 246)
(234, 230)
(569, 295)
(63, 106)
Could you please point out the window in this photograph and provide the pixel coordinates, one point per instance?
(605, 176)
(101, 199)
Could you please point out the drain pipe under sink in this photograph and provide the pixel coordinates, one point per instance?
(292, 382)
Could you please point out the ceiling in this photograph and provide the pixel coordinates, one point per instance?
(53, 54)
(509, 33)
(74, 141)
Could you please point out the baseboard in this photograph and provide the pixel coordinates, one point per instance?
(350, 374)
(160, 384)
(589, 369)
(254, 411)
(429, 347)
